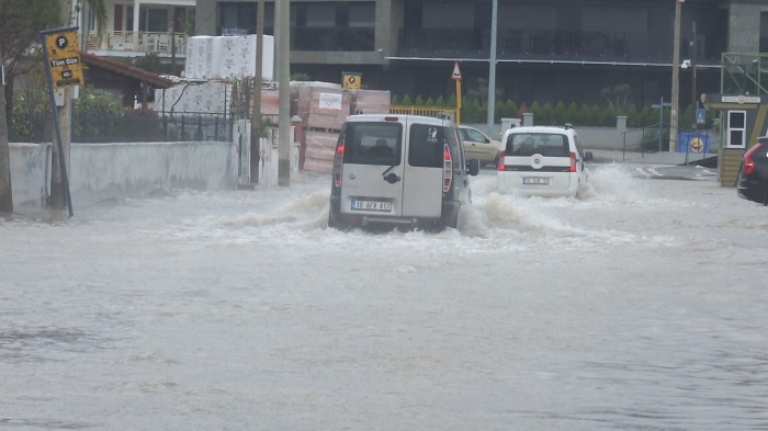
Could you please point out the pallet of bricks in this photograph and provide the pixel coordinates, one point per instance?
(324, 107)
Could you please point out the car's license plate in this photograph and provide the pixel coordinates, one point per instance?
(535, 180)
(363, 205)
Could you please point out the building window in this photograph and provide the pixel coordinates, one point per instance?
(153, 20)
(129, 18)
(240, 18)
(737, 129)
(321, 15)
(764, 32)
(453, 15)
(362, 15)
(333, 26)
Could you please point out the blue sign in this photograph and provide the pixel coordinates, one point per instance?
(701, 116)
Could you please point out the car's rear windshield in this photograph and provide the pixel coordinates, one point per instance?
(546, 144)
(372, 143)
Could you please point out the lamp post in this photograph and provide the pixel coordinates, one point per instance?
(673, 120)
(492, 71)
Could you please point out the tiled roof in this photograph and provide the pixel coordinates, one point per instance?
(125, 70)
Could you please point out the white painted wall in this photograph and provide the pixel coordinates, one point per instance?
(115, 171)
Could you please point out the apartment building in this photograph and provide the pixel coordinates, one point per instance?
(546, 50)
(134, 28)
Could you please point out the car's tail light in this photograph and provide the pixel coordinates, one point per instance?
(749, 163)
(447, 168)
(573, 162)
(501, 161)
(337, 164)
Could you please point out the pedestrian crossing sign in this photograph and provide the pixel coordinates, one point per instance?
(701, 116)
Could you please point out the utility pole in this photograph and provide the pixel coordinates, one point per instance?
(6, 191)
(58, 195)
(256, 115)
(692, 53)
(85, 28)
(492, 72)
(283, 11)
(673, 118)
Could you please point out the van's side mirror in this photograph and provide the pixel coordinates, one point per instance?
(587, 156)
(474, 167)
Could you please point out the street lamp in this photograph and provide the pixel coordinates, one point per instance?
(492, 71)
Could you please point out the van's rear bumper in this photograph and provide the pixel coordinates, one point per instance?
(449, 214)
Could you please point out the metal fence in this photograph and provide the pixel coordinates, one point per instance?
(136, 126)
(427, 111)
(648, 139)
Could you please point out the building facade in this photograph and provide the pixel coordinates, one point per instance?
(547, 51)
(135, 28)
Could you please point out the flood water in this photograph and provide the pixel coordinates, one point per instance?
(642, 307)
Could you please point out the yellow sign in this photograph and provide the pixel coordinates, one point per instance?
(63, 54)
(350, 80)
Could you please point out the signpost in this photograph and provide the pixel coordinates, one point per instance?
(63, 69)
(456, 76)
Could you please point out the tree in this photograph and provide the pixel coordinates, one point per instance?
(20, 24)
(617, 96)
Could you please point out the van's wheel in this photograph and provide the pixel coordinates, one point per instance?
(430, 225)
(333, 223)
(451, 221)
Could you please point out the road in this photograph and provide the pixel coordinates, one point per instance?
(642, 306)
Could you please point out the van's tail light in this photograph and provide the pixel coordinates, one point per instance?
(749, 162)
(501, 166)
(573, 162)
(337, 164)
(447, 168)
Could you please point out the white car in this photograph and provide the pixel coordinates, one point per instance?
(542, 161)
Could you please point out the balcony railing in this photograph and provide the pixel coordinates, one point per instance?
(143, 41)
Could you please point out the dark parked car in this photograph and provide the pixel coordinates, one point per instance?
(752, 182)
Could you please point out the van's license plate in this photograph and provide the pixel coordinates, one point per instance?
(536, 180)
(360, 205)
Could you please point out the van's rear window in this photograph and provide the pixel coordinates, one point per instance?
(546, 144)
(426, 144)
(372, 143)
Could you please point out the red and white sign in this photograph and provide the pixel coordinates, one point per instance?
(456, 72)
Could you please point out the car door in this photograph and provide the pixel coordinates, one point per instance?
(423, 169)
(478, 146)
(373, 171)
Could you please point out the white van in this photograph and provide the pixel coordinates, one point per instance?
(399, 170)
(542, 161)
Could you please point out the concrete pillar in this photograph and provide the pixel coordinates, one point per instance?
(528, 119)
(508, 123)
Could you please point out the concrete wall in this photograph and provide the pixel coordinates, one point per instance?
(114, 171)
(604, 138)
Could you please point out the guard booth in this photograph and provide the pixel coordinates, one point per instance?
(743, 107)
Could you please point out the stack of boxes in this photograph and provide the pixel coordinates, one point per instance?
(323, 108)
